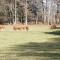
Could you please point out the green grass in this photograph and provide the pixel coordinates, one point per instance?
(39, 43)
(35, 34)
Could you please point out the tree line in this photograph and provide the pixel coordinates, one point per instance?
(30, 11)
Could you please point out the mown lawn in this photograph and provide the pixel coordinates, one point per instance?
(38, 42)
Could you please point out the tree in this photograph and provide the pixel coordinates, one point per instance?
(20, 12)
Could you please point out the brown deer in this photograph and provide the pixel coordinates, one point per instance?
(2, 27)
(20, 27)
(53, 26)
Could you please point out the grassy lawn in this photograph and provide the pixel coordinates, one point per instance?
(35, 34)
(38, 41)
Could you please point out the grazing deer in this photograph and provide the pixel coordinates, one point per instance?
(2, 27)
(53, 26)
(27, 28)
(17, 27)
(20, 27)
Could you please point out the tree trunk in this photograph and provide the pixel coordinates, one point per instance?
(15, 13)
(26, 13)
(37, 18)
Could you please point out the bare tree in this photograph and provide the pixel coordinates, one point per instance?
(26, 13)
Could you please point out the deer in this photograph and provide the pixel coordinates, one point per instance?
(20, 27)
(2, 27)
